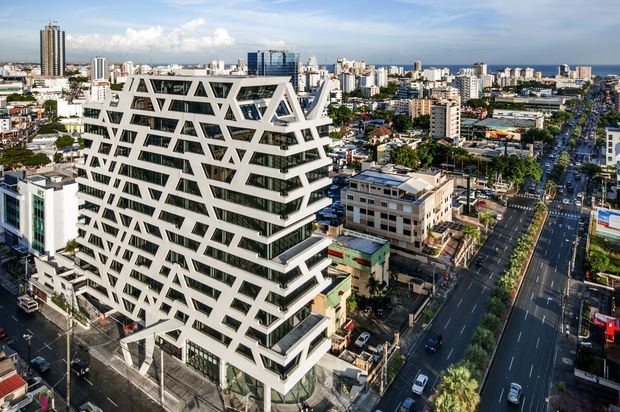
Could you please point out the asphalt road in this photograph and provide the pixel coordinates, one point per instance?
(461, 313)
(102, 386)
(527, 351)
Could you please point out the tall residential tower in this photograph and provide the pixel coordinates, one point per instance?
(52, 48)
(199, 201)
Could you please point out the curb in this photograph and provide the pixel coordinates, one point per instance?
(501, 335)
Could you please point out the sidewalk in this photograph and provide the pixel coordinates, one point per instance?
(185, 389)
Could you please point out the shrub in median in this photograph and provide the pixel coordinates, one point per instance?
(496, 307)
(457, 390)
(477, 356)
(491, 322)
(484, 337)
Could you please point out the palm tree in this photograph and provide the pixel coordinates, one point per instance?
(487, 219)
(540, 207)
(471, 233)
(373, 286)
(457, 391)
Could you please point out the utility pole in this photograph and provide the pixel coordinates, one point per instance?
(384, 367)
(161, 376)
(68, 356)
(28, 338)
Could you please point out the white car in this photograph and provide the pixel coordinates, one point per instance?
(419, 384)
(362, 340)
(566, 201)
(577, 203)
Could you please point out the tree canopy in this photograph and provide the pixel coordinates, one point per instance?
(49, 105)
(13, 157)
(51, 128)
(402, 122)
(340, 115)
(26, 97)
(117, 87)
(537, 135)
(64, 141)
(457, 391)
(422, 122)
(514, 169)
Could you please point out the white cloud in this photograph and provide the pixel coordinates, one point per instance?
(271, 43)
(183, 39)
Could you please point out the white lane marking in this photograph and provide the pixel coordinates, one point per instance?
(478, 270)
(543, 321)
(532, 297)
(519, 338)
(469, 285)
(510, 238)
(501, 395)
(472, 311)
(91, 384)
(30, 332)
(459, 304)
(112, 402)
(537, 277)
(526, 314)
(505, 248)
(552, 284)
(47, 346)
(447, 323)
(499, 261)
(511, 360)
(462, 330)
(523, 404)
(541, 264)
(484, 288)
(14, 318)
(531, 369)
(548, 299)
(450, 354)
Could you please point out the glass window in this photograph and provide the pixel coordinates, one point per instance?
(142, 103)
(167, 86)
(278, 139)
(190, 146)
(191, 107)
(212, 131)
(240, 133)
(256, 92)
(220, 89)
(221, 174)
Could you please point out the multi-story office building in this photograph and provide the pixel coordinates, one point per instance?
(275, 63)
(52, 47)
(469, 87)
(199, 197)
(584, 72)
(367, 81)
(399, 207)
(40, 210)
(410, 90)
(446, 120)
(99, 70)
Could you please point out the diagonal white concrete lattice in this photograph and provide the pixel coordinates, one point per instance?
(200, 194)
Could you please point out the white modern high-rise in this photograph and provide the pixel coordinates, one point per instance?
(480, 69)
(367, 81)
(99, 70)
(199, 197)
(469, 87)
(445, 120)
(347, 82)
(381, 77)
(52, 50)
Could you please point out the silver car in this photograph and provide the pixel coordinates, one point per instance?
(515, 393)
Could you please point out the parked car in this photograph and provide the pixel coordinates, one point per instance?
(578, 203)
(434, 342)
(362, 339)
(566, 201)
(515, 393)
(90, 407)
(408, 405)
(39, 364)
(80, 367)
(378, 353)
(420, 383)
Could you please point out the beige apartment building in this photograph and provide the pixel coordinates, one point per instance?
(445, 120)
(397, 206)
(420, 107)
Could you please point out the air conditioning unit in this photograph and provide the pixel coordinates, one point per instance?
(284, 147)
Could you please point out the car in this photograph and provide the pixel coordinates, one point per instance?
(408, 405)
(499, 217)
(577, 203)
(362, 339)
(39, 364)
(378, 353)
(420, 383)
(433, 342)
(34, 382)
(515, 393)
(80, 367)
(482, 196)
(566, 201)
(479, 260)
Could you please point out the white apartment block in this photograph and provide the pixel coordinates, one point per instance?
(537, 117)
(199, 197)
(99, 70)
(347, 82)
(445, 93)
(39, 211)
(469, 87)
(367, 81)
(446, 120)
(381, 77)
(432, 74)
(613, 147)
(396, 206)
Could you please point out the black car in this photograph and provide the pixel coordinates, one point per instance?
(39, 364)
(480, 260)
(80, 367)
(433, 342)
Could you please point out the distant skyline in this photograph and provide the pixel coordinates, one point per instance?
(387, 31)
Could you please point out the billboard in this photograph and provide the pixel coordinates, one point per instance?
(503, 133)
(607, 222)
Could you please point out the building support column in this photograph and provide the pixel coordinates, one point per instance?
(266, 398)
(223, 382)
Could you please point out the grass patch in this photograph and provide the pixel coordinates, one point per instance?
(611, 249)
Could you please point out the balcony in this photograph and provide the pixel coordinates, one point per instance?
(300, 333)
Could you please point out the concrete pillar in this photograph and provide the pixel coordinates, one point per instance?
(267, 399)
(222, 375)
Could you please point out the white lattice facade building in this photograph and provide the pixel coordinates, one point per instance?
(200, 194)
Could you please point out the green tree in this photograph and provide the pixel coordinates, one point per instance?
(495, 306)
(13, 157)
(51, 128)
(341, 115)
(373, 286)
(118, 87)
(422, 122)
(591, 169)
(64, 141)
(50, 105)
(58, 157)
(476, 355)
(483, 337)
(351, 304)
(405, 156)
(471, 233)
(487, 219)
(457, 391)
(16, 97)
(491, 322)
(72, 246)
(402, 122)
(335, 135)
(478, 103)
(598, 261)
(537, 135)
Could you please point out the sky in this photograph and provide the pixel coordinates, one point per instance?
(377, 31)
